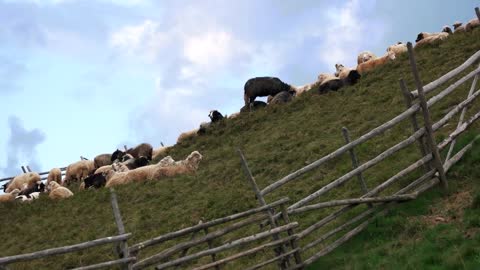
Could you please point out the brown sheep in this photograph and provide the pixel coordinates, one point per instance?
(55, 175)
(22, 181)
(78, 171)
(9, 197)
(143, 149)
(102, 160)
(473, 23)
(372, 64)
(58, 192)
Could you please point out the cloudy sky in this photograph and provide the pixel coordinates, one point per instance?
(81, 77)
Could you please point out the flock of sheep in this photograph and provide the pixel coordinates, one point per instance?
(105, 170)
(279, 92)
(132, 165)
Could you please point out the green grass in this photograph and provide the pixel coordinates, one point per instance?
(275, 141)
(410, 237)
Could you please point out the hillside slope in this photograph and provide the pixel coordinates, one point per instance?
(276, 141)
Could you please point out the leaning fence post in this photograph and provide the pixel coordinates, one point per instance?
(462, 115)
(28, 169)
(477, 11)
(408, 102)
(293, 242)
(437, 162)
(24, 169)
(261, 200)
(120, 227)
(354, 158)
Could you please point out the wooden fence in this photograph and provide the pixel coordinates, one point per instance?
(277, 232)
(120, 240)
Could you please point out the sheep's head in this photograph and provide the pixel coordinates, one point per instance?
(339, 67)
(141, 161)
(126, 157)
(4, 186)
(194, 159)
(166, 161)
(447, 29)
(366, 57)
(117, 155)
(456, 25)
(419, 37)
(391, 55)
(52, 185)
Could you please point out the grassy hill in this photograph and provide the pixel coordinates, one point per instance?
(275, 141)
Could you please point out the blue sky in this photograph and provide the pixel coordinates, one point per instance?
(82, 77)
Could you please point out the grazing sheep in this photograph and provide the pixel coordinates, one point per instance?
(398, 48)
(143, 149)
(328, 82)
(55, 174)
(253, 106)
(262, 87)
(78, 171)
(33, 187)
(372, 64)
(96, 180)
(431, 39)
(22, 180)
(186, 135)
(58, 192)
(160, 151)
(165, 168)
(9, 196)
(280, 98)
(102, 160)
(215, 116)
(473, 23)
(365, 56)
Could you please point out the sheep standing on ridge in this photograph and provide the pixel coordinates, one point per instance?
(55, 175)
(372, 64)
(187, 135)
(349, 76)
(102, 160)
(431, 39)
(21, 181)
(215, 116)
(78, 171)
(473, 23)
(262, 87)
(58, 192)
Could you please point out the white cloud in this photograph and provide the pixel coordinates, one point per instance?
(348, 32)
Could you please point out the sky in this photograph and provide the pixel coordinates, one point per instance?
(83, 77)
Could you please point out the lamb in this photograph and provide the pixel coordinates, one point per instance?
(187, 135)
(398, 48)
(280, 98)
(58, 192)
(372, 64)
(215, 116)
(253, 106)
(9, 196)
(78, 171)
(164, 168)
(102, 160)
(431, 39)
(473, 23)
(365, 56)
(55, 174)
(458, 27)
(263, 86)
(22, 180)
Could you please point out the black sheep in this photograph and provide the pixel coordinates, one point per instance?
(38, 187)
(262, 87)
(97, 180)
(215, 116)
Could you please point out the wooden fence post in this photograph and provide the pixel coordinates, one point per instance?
(125, 147)
(421, 141)
(477, 11)
(121, 229)
(462, 115)
(210, 246)
(354, 158)
(293, 242)
(437, 162)
(261, 200)
(28, 169)
(24, 169)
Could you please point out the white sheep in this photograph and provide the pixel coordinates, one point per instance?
(162, 150)
(473, 23)
(458, 27)
(431, 39)
(167, 167)
(22, 181)
(58, 192)
(55, 174)
(10, 196)
(78, 171)
(365, 56)
(186, 135)
(398, 48)
(372, 64)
